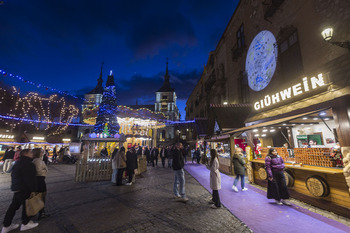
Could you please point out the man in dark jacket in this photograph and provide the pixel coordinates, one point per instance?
(163, 155)
(154, 156)
(8, 159)
(178, 165)
(23, 183)
(148, 155)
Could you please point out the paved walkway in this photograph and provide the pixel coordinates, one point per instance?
(263, 215)
(147, 206)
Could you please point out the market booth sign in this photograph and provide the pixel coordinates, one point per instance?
(300, 88)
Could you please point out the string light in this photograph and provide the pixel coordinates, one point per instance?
(39, 121)
(38, 85)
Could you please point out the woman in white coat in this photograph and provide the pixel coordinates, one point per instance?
(215, 179)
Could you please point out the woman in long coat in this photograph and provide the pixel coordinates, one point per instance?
(41, 171)
(215, 179)
(276, 186)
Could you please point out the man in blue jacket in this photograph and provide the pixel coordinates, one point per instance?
(23, 183)
(178, 165)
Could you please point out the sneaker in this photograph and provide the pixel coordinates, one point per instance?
(245, 189)
(286, 203)
(234, 188)
(128, 184)
(184, 199)
(9, 228)
(177, 197)
(278, 202)
(214, 207)
(29, 225)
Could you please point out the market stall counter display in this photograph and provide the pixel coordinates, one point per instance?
(311, 175)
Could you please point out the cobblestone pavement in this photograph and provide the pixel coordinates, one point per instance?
(147, 206)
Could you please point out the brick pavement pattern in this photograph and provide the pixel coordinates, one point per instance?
(147, 206)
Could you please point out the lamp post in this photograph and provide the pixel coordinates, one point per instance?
(328, 35)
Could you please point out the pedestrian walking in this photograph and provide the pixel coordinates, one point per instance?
(8, 159)
(148, 155)
(163, 155)
(198, 155)
(179, 180)
(154, 156)
(239, 169)
(131, 164)
(54, 154)
(215, 179)
(121, 165)
(276, 186)
(104, 153)
(41, 171)
(23, 183)
(114, 166)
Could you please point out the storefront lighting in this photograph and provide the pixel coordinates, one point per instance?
(255, 130)
(225, 103)
(272, 130)
(304, 118)
(322, 114)
(256, 135)
(279, 127)
(264, 130)
(293, 124)
(263, 135)
(315, 119)
(66, 139)
(38, 138)
(284, 124)
(326, 119)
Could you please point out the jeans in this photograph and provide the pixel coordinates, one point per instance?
(216, 198)
(7, 165)
(114, 176)
(120, 176)
(163, 161)
(18, 200)
(236, 181)
(179, 181)
(170, 163)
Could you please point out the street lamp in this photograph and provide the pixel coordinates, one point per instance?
(328, 35)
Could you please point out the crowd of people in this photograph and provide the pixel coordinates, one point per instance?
(29, 169)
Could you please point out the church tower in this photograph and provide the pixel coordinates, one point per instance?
(166, 99)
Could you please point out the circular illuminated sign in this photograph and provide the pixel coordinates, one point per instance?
(261, 60)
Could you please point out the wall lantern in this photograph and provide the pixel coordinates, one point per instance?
(328, 35)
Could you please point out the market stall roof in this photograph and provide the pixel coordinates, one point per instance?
(272, 122)
(228, 116)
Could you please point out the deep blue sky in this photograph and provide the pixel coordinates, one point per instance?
(61, 43)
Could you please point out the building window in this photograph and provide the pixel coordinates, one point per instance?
(290, 56)
(240, 37)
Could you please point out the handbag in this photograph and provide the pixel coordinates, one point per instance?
(34, 204)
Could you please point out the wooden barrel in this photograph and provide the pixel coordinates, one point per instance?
(317, 186)
(262, 173)
(289, 178)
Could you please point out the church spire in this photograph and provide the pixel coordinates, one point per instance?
(166, 76)
(99, 88)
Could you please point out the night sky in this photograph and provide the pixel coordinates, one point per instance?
(61, 43)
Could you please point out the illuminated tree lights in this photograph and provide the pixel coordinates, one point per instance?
(51, 113)
(108, 109)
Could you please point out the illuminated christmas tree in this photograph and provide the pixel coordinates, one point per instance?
(107, 112)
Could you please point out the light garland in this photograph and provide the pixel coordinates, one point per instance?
(38, 85)
(43, 122)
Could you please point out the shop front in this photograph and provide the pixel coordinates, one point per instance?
(310, 139)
